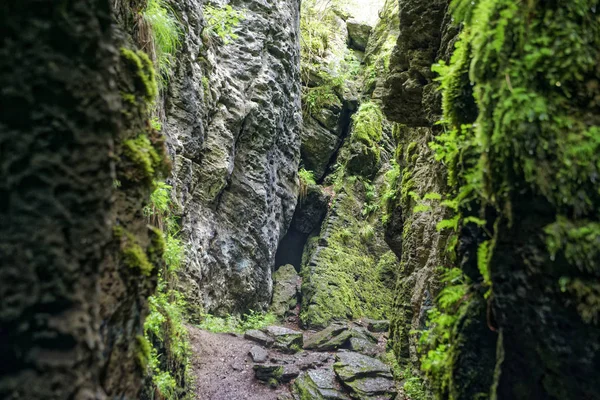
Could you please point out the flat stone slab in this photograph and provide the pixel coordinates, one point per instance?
(366, 377)
(258, 354)
(371, 388)
(259, 337)
(330, 338)
(318, 384)
(351, 365)
(363, 346)
(285, 339)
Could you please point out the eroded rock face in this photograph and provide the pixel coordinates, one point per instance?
(410, 95)
(233, 121)
(410, 98)
(286, 289)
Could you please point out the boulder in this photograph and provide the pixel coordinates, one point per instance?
(378, 325)
(258, 354)
(286, 286)
(372, 388)
(363, 160)
(363, 346)
(259, 337)
(358, 34)
(317, 384)
(268, 373)
(366, 377)
(310, 360)
(318, 146)
(284, 339)
(330, 338)
(351, 365)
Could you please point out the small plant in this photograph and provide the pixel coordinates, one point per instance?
(222, 21)
(165, 34)
(164, 327)
(307, 178)
(252, 320)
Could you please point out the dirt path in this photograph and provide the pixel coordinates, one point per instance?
(223, 369)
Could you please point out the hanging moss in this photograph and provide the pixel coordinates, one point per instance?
(141, 66)
(134, 256)
(145, 156)
(521, 102)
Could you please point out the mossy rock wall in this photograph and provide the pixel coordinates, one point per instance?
(78, 257)
(523, 209)
(348, 270)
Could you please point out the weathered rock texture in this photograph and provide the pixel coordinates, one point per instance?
(347, 268)
(411, 99)
(535, 255)
(78, 259)
(233, 120)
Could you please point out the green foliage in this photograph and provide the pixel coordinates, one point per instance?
(307, 177)
(164, 327)
(414, 386)
(435, 344)
(222, 21)
(316, 27)
(156, 124)
(134, 256)
(517, 102)
(252, 320)
(421, 208)
(315, 99)
(587, 297)
(166, 34)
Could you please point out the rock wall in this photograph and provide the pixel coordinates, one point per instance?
(79, 157)
(347, 268)
(232, 121)
(518, 318)
(527, 201)
(411, 99)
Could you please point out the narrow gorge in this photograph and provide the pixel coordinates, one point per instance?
(294, 200)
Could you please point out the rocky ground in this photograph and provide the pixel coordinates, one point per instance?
(343, 361)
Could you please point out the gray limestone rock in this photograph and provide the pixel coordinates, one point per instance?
(378, 326)
(284, 339)
(318, 146)
(358, 34)
(259, 337)
(363, 346)
(233, 122)
(258, 354)
(330, 338)
(286, 287)
(366, 377)
(351, 365)
(319, 384)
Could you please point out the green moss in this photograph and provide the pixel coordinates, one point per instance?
(517, 97)
(157, 240)
(368, 124)
(145, 156)
(134, 256)
(347, 281)
(143, 352)
(145, 77)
